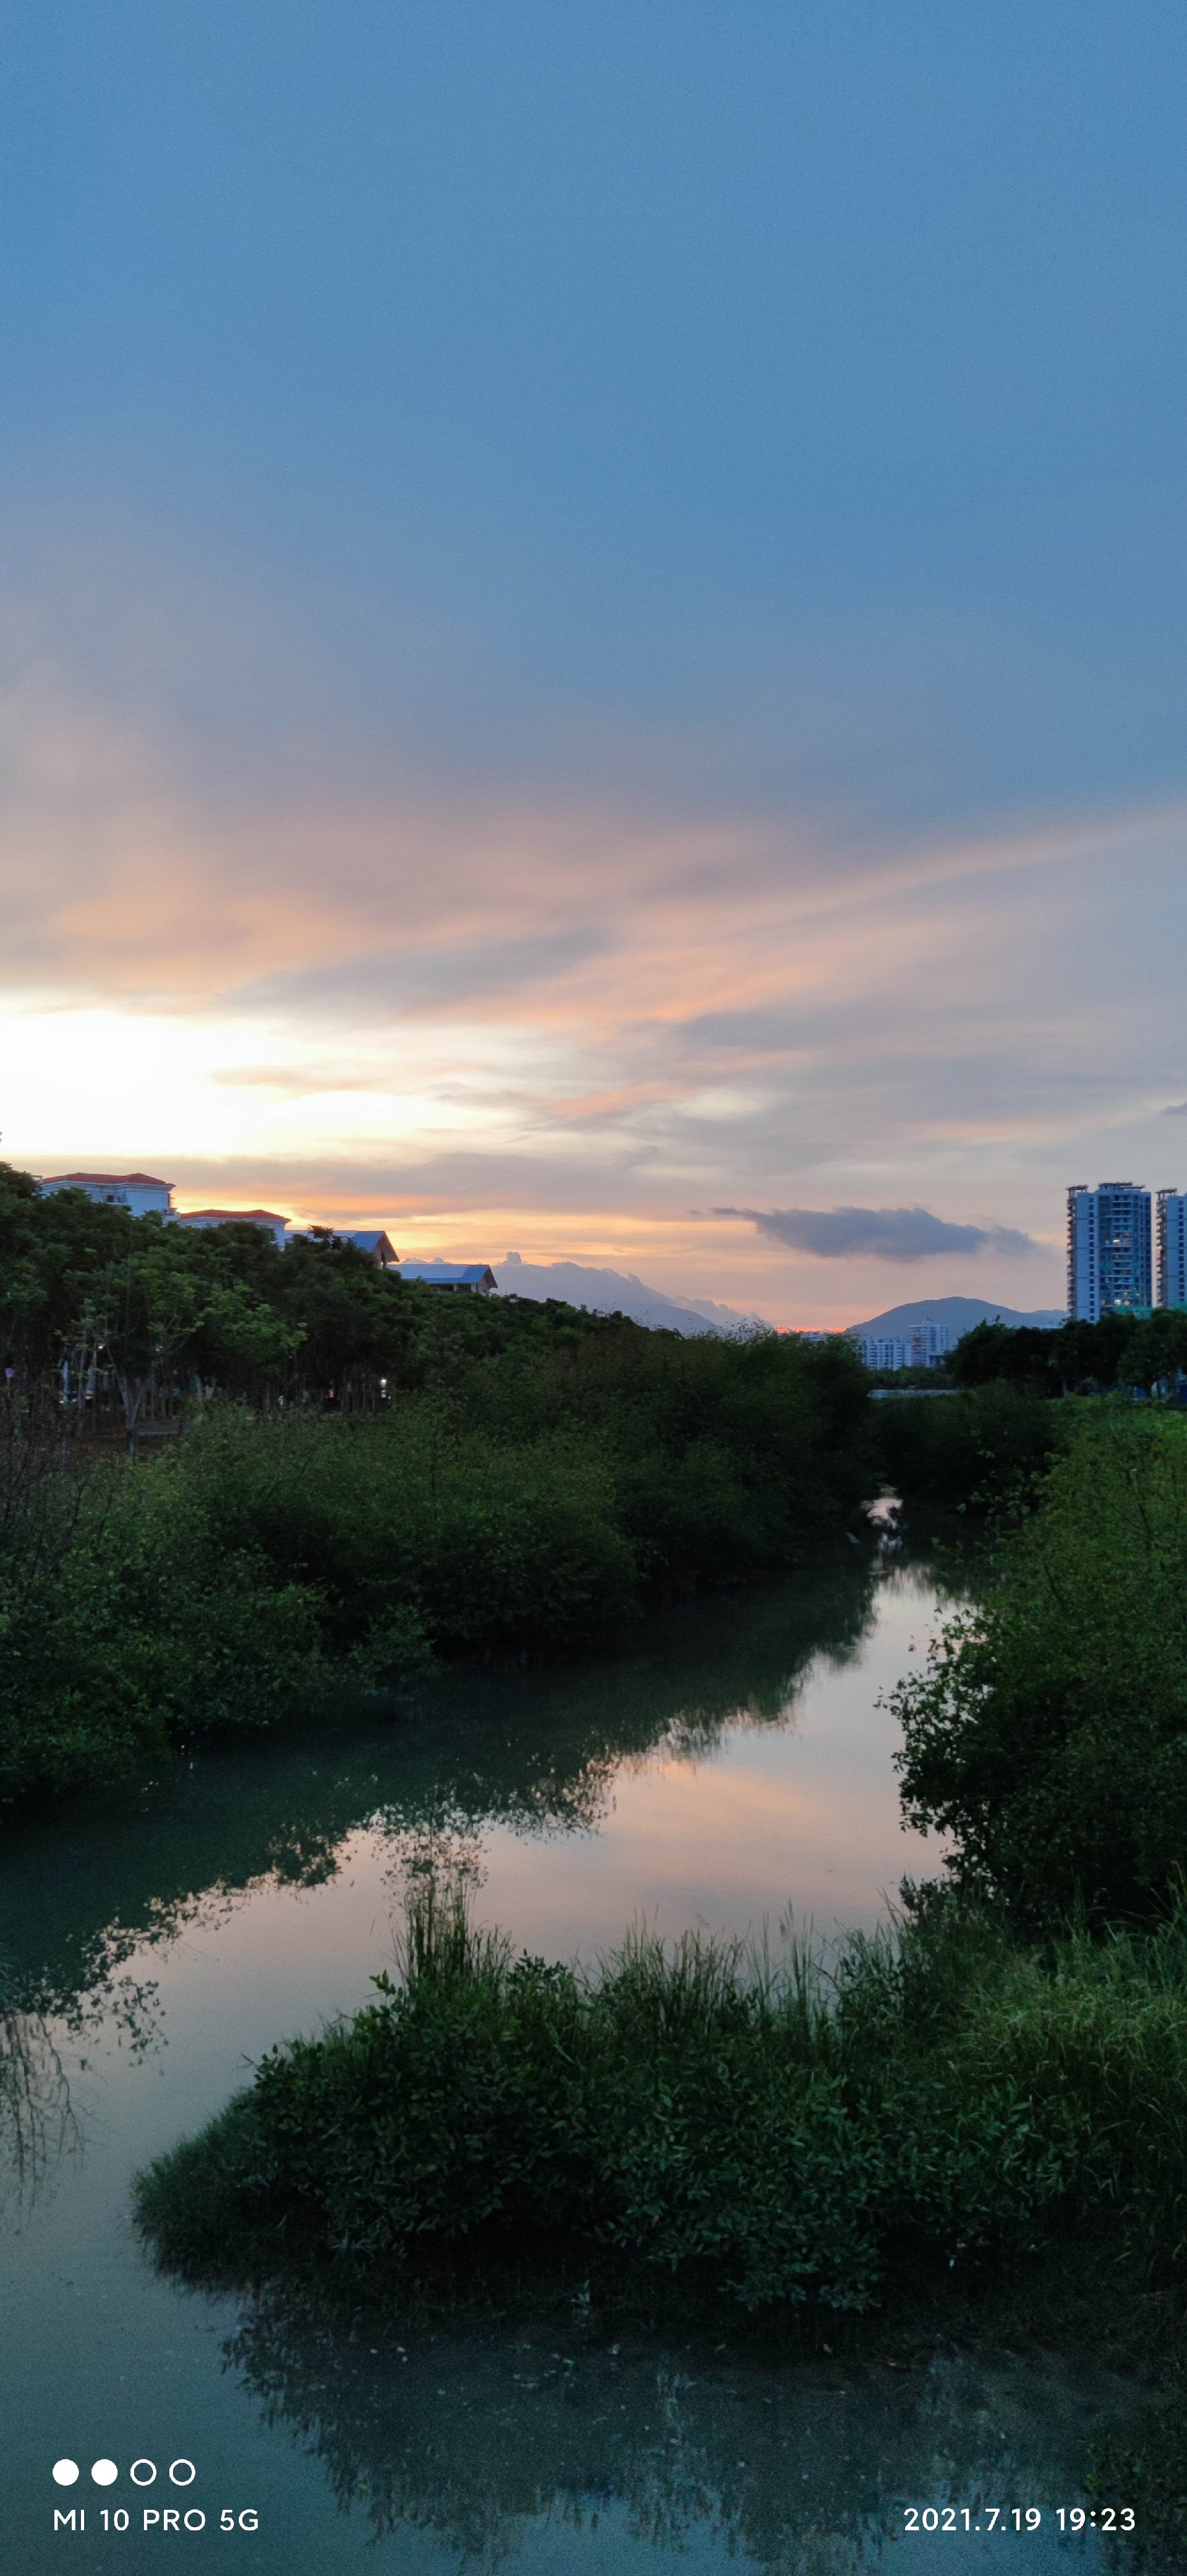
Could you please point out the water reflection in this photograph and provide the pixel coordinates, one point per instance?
(479, 2437)
(533, 1753)
(42, 2057)
(38, 2123)
(728, 1758)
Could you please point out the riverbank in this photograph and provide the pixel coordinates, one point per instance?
(949, 2144)
(528, 1495)
(995, 2089)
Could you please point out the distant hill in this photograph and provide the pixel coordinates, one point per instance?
(610, 1292)
(959, 1314)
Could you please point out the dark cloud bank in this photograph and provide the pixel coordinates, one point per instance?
(889, 1234)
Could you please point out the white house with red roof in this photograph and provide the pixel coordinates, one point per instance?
(276, 1225)
(139, 1192)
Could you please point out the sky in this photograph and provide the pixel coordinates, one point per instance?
(593, 630)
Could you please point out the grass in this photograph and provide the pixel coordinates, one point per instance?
(935, 2103)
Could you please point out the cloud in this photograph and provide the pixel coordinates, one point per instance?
(887, 1234)
(419, 979)
(1176, 1109)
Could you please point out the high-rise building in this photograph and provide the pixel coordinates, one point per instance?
(883, 1350)
(1108, 1249)
(928, 1342)
(1172, 1247)
(920, 1347)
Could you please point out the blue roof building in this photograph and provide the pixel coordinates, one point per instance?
(472, 1276)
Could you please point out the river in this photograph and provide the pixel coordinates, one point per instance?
(728, 1766)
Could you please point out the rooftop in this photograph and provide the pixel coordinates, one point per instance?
(109, 1180)
(449, 1274)
(234, 1216)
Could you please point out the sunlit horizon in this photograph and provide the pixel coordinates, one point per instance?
(591, 656)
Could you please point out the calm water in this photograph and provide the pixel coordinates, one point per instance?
(730, 1765)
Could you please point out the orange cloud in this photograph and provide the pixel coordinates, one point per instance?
(567, 1021)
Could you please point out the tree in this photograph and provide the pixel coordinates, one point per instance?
(139, 1317)
(1156, 1350)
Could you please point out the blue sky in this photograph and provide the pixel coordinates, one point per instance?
(602, 587)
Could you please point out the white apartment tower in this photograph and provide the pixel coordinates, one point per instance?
(1172, 1247)
(1108, 1249)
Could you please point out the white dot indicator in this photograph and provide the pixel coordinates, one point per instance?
(65, 2472)
(105, 2473)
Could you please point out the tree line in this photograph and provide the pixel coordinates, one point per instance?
(373, 1475)
(1122, 1350)
(138, 1317)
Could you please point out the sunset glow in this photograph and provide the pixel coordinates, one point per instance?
(530, 758)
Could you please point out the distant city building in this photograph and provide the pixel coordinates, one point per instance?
(881, 1351)
(203, 1217)
(136, 1191)
(1108, 1249)
(472, 1276)
(1171, 1235)
(921, 1347)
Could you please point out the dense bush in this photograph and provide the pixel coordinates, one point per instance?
(1121, 1349)
(971, 1447)
(125, 1617)
(409, 1527)
(1048, 1734)
(952, 2099)
(531, 1490)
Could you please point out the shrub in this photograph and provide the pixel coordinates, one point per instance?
(970, 1447)
(1048, 1734)
(530, 1493)
(123, 1621)
(749, 2131)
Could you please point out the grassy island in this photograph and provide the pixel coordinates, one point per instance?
(945, 2098)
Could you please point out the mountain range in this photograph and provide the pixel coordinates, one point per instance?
(959, 1314)
(610, 1292)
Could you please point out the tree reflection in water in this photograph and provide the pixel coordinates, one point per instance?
(38, 2126)
(792, 2465)
(86, 1888)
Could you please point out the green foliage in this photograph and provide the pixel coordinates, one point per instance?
(974, 1447)
(126, 1620)
(754, 2131)
(1076, 1358)
(1156, 1350)
(1021, 1355)
(528, 1484)
(223, 1305)
(1048, 1735)
(1087, 1358)
(409, 1518)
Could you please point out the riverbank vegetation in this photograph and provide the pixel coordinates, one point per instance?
(526, 1480)
(984, 2104)
(970, 1450)
(1007, 1401)
(945, 2103)
(1047, 1735)
(1131, 1352)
